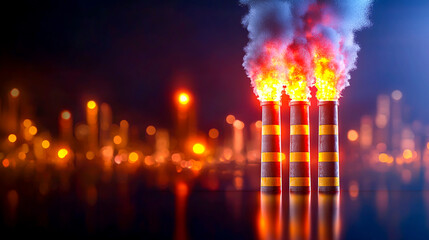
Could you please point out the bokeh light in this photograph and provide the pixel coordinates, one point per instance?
(198, 148)
(397, 95)
(352, 135)
(133, 157)
(32, 130)
(62, 153)
(183, 98)
(12, 138)
(91, 104)
(150, 130)
(117, 140)
(90, 155)
(14, 92)
(407, 154)
(46, 144)
(230, 119)
(5, 163)
(238, 124)
(65, 115)
(27, 123)
(213, 133)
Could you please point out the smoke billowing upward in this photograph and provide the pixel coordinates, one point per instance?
(296, 44)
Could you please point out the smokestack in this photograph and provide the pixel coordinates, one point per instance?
(299, 166)
(329, 180)
(271, 176)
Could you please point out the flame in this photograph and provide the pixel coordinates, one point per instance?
(326, 79)
(296, 86)
(270, 74)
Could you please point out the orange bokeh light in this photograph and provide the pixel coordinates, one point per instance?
(32, 130)
(230, 119)
(46, 144)
(62, 153)
(91, 104)
(27, 123)
(117, 140)
(238, 124)
(352, 135)
(14, 92)
(407, 154)
(198, 148)
(183, 98)
(5, 163)
(213, 133)
(65, 115)
(133, 157)
(12, 138)
(150, 130)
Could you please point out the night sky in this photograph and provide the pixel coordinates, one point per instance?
(135, 54)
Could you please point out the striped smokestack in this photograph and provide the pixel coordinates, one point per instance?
(271, 176)
(329, 180)
(299, 167)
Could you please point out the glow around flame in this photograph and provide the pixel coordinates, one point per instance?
(295, 44)
(270, 76)
(296, 86)
(326, 78)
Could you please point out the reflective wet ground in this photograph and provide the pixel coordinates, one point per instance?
(208, 206)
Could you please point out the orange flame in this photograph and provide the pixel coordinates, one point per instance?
(271, 76)
(326, 79)
(296, 86)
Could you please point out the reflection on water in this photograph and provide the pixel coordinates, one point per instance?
(180, 232)
(270, 217)
(299, 216)
(328, 218)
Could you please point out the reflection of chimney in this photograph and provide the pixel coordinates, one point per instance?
(328, 217)
(270, 149)
(329, 176)
(270, 218)
(299, 167)
(299, 216)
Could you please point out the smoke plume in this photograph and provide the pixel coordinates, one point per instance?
(295, 44)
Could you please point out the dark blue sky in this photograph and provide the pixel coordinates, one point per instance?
(134, 54)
